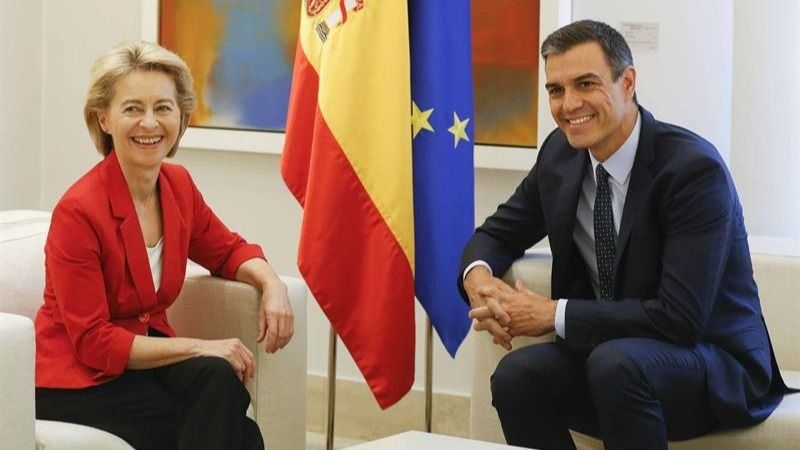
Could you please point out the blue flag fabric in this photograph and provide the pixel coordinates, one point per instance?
(442, 127)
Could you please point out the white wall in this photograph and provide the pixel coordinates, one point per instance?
(730, 71)
(687, 81)
(75, 34)
(20, 103)
(766, 118)
(246, 190)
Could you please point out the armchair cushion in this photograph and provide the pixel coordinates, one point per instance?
(52, 435)
(22, 238)
(16, 388)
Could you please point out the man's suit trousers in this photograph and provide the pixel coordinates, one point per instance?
(634, 393)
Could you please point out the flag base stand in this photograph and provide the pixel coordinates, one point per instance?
(329, 433)
(428, 374)
(331, 389)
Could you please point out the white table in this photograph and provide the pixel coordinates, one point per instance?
(417, 440)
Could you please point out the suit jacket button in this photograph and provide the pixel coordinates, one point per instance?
(144, 317)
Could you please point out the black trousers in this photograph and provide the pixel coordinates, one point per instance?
(634, 393)
(197, 404)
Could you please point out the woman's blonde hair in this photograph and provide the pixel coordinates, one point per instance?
(126, 58)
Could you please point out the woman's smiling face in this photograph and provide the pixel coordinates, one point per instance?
(143, 119)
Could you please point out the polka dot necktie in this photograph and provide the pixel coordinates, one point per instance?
(604, 240)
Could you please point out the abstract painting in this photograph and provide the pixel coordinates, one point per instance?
(240, 53)
(505, 62)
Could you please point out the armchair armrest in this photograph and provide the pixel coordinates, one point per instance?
(17, 413)
(533, 270)
(215, 308)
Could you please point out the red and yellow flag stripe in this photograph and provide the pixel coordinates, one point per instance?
(347, 159)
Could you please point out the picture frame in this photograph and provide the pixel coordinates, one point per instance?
(553, 14)
(269, 142)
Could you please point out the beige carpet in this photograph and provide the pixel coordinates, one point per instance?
(316, 441)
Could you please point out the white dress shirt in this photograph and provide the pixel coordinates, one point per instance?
(618, 166)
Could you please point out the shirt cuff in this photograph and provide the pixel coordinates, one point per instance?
(475, 264)
(561, 312)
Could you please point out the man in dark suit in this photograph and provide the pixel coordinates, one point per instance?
(659, 328)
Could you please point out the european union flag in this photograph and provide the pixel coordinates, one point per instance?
(442, 112)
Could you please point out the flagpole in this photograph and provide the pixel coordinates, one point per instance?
(428, 374)
(331, 388)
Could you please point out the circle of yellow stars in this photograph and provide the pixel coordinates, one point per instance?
(420, 121)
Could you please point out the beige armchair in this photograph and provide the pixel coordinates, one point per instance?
(778, 280)
(208, 307)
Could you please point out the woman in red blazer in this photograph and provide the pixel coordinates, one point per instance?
(116, 257)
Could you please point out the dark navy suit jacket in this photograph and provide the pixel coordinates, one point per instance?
(683, 269)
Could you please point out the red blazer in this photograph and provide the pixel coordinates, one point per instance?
(99, 291)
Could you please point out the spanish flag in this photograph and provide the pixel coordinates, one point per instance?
(348, 161)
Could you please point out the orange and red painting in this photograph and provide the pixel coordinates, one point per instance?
(505, 63)
(241, 54)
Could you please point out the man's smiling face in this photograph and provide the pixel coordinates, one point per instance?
(586, 102)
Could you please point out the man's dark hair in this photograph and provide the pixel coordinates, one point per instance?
(618, 54)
